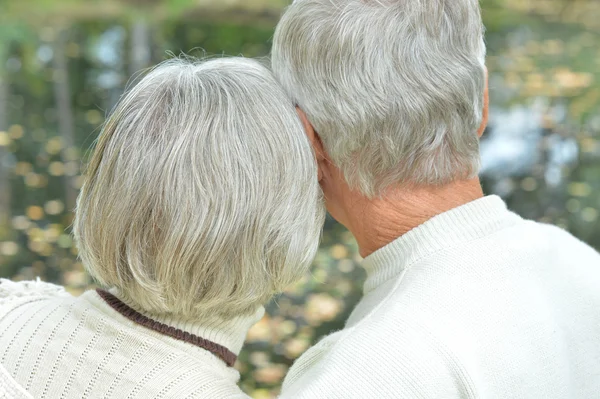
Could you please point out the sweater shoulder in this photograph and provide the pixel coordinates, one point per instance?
(11, 289)
(55, 344)
(372, 360)
(531, 241)
(13, 293)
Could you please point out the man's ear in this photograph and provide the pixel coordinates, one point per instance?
(486, 106)
(314, 139)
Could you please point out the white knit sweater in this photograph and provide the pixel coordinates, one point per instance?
(54, 345)
(475, 303)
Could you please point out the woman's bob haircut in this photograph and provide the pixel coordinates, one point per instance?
(201, 198)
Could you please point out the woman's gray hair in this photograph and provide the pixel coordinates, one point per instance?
(394, 88)
(201, 198)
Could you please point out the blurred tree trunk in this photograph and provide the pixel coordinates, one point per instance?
(140, 47)
(66, 123)
(5, 189)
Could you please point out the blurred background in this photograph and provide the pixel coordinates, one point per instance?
(64, 64)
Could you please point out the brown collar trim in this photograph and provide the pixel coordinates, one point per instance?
(218, 350)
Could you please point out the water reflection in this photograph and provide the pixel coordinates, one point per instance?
(517, 141)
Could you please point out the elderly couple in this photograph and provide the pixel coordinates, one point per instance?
(206, 195)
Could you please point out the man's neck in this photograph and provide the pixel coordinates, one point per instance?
(377, 222)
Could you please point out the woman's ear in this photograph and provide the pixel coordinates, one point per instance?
(314, 139)
(486, 106)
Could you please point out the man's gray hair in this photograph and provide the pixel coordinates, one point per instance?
(201, 198)
(394, 88)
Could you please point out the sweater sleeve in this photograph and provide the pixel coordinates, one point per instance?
(9, 388)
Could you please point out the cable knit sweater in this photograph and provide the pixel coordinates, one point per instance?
(54, 345)
(475, 303)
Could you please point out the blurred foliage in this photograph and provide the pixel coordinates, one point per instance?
(542, 57)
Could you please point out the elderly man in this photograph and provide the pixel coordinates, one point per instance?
(463, 299)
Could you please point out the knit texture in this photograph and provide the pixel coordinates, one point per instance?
(9, 388)
(218, 350)
(475, 303)
(54, 345)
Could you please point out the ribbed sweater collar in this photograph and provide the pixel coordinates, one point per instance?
(228, 333)
(471, 221)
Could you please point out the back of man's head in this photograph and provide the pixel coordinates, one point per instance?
(394, 88)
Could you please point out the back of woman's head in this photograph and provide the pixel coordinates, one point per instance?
(201, 198)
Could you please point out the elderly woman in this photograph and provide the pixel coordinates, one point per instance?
(201, 201)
